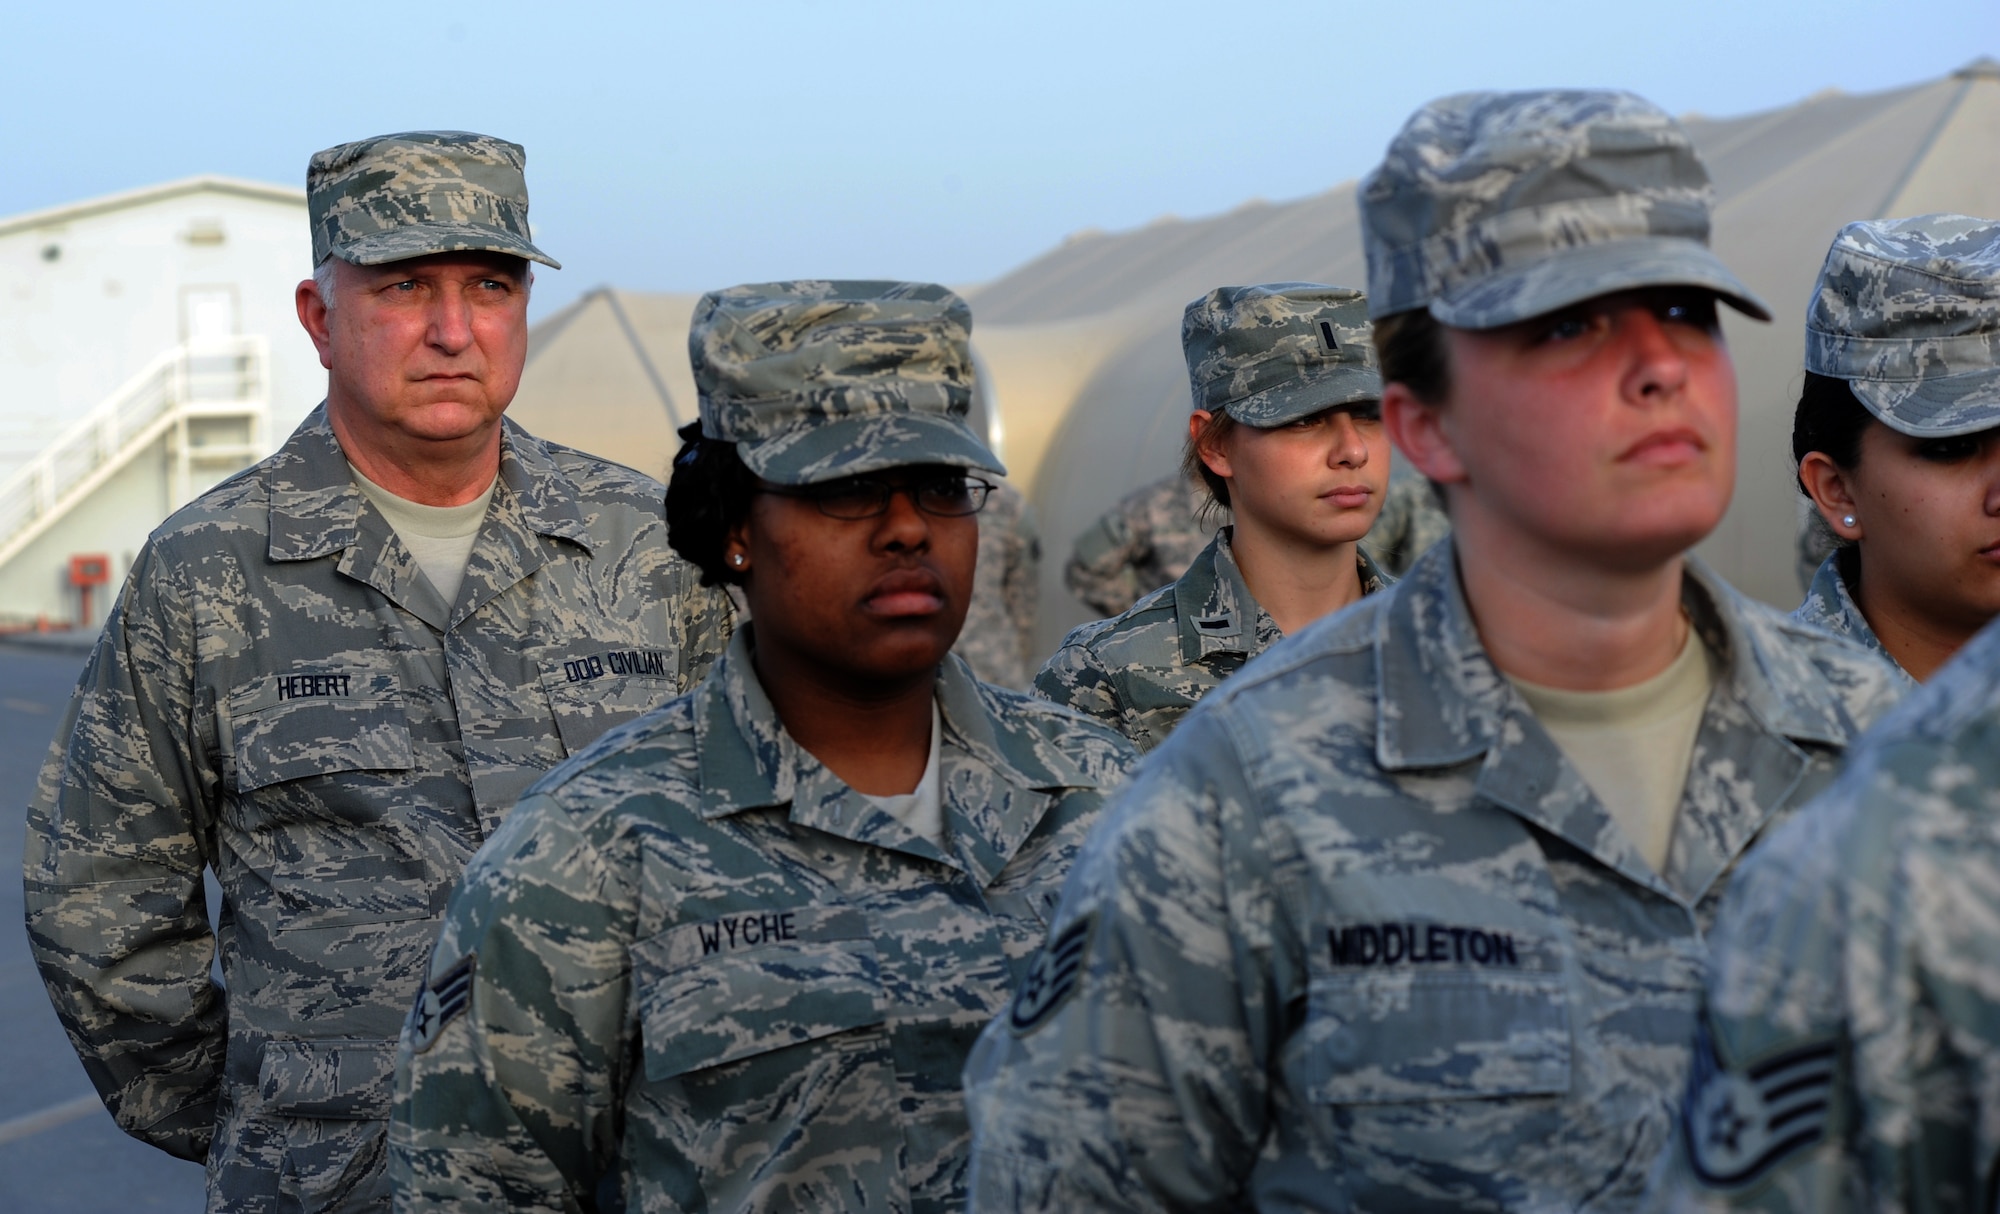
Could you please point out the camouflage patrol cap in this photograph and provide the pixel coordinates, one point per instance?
(1272, 354)
(815, 380)
(399, 196)
(1907, 311)
(1491, 208)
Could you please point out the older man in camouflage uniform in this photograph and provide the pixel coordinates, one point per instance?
(696, 969)
(999, 637)
(1258, 354)
(1363, 935)
(1850, 1050)
(291, 694)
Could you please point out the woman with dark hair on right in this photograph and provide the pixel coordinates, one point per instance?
(1898, 443)
(1850, 1035)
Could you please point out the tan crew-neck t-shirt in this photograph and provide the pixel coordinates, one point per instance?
(439, 537)
(1633, 745)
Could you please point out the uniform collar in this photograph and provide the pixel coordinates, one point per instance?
(1452, 699)
(1830, 605)
(316, 511)
(999, 772)
(1454, 706)
(1214, 611)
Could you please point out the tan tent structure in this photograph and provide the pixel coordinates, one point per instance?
(1084, 382)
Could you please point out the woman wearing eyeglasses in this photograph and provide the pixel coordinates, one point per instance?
(1287, 434)
(733, 956)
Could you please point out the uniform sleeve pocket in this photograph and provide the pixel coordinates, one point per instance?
(595, 686)
(738, 985)
(336, 1079)
(288, 727)
(1455, 1035)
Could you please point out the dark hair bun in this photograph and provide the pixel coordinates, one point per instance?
(708, 494)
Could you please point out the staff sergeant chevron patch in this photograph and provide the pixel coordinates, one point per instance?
(439, 1003)
(1738, 1123)
(1051, 978)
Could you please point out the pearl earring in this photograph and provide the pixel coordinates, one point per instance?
(1847, 520)
(737, 559)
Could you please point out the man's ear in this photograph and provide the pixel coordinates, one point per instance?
(1420, 435)
(1831, 494)
(313, 318)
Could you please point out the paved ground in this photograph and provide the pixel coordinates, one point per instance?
(59, 1150)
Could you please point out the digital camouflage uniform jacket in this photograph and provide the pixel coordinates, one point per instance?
(1849, 1059)
(1830, 605)
(282, 697)
(1139, 545)
(1411, 522)
(999, 632)
(695, 968)
(1142, 671)
(1359, 937)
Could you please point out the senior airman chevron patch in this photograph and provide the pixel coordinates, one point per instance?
(439, 1003)
(1739, 1123)
(1051, 978)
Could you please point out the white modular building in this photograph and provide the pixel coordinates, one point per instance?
(149, 348)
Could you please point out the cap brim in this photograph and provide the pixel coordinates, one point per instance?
(1936, 406)
(1305, 396)
(826, 451)
(1587, 271)
(426, 239)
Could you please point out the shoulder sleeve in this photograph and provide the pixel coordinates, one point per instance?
(510, 1075)
(1078, 679)
(704, 618)
(1849, 1056)
(119, 831)
(1102, 570)
(1129, 1073)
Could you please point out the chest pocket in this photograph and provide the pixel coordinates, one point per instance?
(740, 985)
(1381, 1028)
(595, 686)
(314, 723)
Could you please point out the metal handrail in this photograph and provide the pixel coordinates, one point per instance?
(211, 371)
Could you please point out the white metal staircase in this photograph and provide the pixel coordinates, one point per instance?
(210, 401)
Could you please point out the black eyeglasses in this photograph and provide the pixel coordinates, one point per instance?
(947, 494)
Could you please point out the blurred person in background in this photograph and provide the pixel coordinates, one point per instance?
(1139, 545)
(1897, 436)
(1411, 523)
(1286, 434)
(998, 640)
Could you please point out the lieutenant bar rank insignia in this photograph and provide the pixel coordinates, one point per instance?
(439, 1004)
(1051, 978)
(1739, 1124)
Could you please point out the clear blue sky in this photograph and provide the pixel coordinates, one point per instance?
(680, 147)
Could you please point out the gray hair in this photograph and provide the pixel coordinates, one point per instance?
(323, 279)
